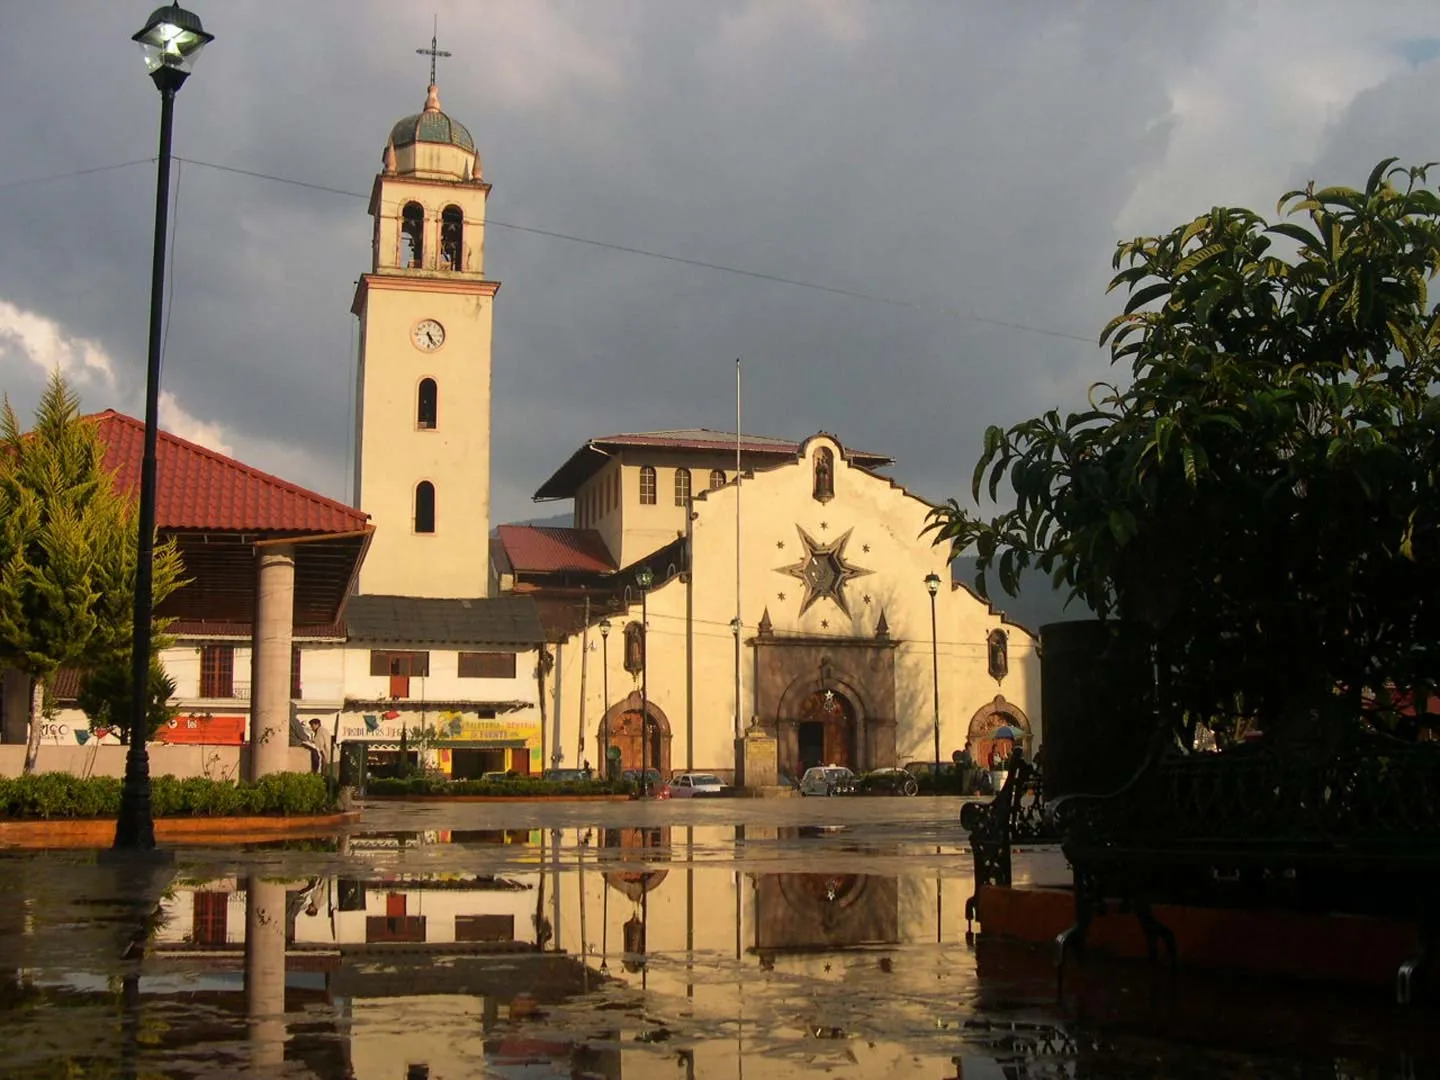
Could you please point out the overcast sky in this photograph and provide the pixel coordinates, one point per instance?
(968, 165)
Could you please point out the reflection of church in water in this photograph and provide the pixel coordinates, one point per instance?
(549, 917)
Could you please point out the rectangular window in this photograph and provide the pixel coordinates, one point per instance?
(209, 925)
(401, 667)
(487, 665)
(392, 662)
(484, 927)
(217, 671)
(399, 928)
(295, 673)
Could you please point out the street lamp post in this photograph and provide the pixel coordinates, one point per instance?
(932, 584)
(643, 578)
(605, 692)
(171, 40)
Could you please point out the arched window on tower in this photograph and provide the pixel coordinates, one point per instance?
(425, 507)
(717, 479)
(682, 487)
(412, 236)
(427, 406)
(452, 239)
(647, 485)
(824, 488)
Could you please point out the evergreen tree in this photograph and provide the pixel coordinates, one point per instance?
(67, 549)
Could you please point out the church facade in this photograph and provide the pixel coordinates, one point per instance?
(842, 653)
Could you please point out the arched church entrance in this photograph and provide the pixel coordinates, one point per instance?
(995, 729)
(825, 731)
(637, 742)
(826, 700)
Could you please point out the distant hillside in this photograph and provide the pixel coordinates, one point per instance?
(556, 521)
(1036, 604)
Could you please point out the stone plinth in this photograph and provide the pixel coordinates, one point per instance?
(756, 761)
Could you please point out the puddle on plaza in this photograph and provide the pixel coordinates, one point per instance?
(606, 952)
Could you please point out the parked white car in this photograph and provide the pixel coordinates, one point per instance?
(688, 785)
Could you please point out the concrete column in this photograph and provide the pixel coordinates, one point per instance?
(15, 706)
(270, 660)
(265, 970)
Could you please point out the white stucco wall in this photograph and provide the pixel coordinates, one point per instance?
(332, 674)
(884, 522)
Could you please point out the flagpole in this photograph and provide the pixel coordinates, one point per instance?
(738, 623)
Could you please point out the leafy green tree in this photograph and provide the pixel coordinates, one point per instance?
(67, 549)
(1264, 491)
(106, 691)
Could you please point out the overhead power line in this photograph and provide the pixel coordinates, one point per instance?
(757, 275)
(8, 184)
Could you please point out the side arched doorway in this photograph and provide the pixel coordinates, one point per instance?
(981, 738)
(621, 727)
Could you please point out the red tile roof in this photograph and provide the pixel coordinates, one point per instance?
(543, 549)
(201, 489)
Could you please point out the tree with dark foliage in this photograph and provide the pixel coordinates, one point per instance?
(1263, 491)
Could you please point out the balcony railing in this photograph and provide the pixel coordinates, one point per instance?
(238, 691)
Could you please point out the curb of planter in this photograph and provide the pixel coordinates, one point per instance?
(99, 832)
(494, 798)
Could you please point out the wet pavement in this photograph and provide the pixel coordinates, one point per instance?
(722, 938)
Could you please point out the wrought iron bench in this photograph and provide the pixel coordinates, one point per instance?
(1017, 813)
(1354, 829)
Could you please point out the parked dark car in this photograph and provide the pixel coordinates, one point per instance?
(651, 782)
(570, 775)
(887, 782)
(955, 778)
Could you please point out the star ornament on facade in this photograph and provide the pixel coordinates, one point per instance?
(824, 571)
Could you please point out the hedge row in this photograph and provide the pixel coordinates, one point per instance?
(61, 795)
(426, 785)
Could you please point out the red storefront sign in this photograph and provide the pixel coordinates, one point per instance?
(209, 730)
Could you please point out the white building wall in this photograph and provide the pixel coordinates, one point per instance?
(332, 674)
(885, 523)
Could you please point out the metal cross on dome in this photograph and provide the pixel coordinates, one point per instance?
(824, 571)
(432, 51)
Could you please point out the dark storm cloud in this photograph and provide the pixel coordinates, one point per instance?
(971, 160)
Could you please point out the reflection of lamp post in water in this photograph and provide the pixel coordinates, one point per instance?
(643, 578)
(604, 917)
(605, 691)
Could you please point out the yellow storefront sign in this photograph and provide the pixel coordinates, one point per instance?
(496, 729)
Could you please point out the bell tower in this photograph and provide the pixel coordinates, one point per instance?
(422, 420)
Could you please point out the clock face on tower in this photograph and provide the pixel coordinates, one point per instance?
(428, 335)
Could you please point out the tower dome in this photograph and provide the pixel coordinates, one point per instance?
(432, 143)
(431, 126)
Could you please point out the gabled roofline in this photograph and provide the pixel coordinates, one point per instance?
(582, 464)
(1005, 620)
